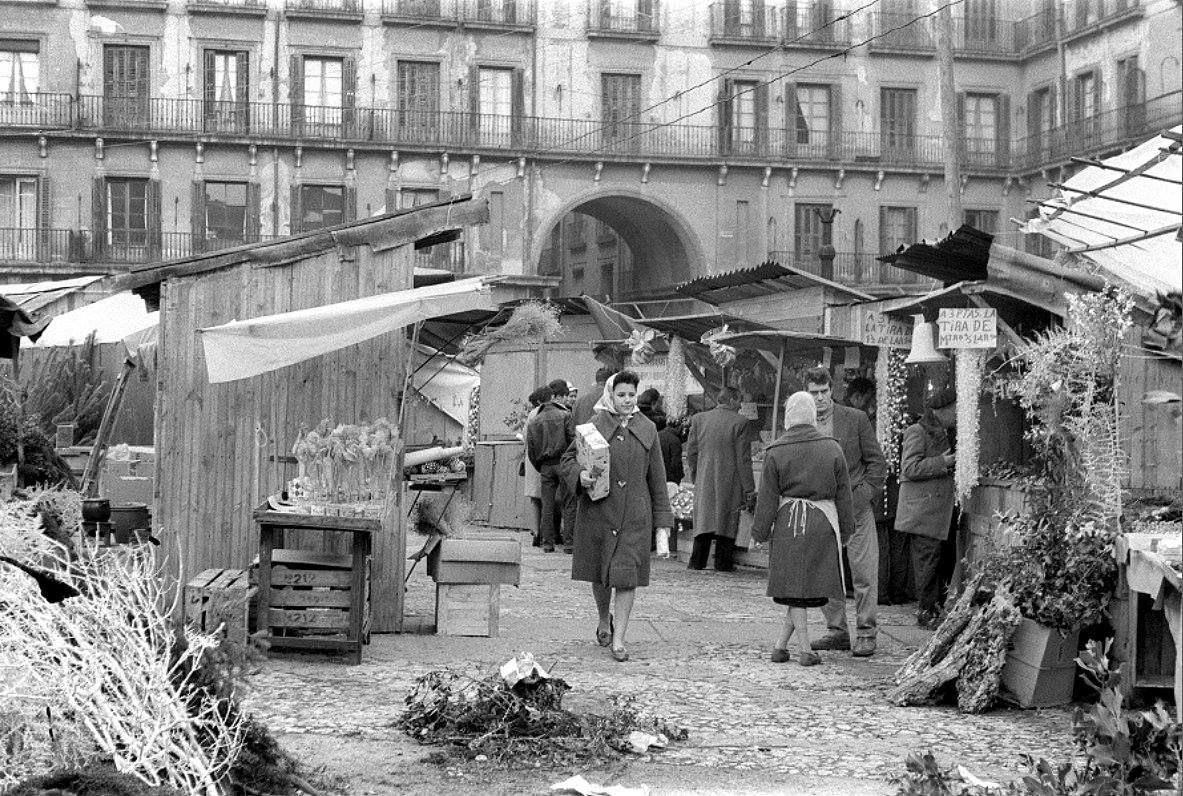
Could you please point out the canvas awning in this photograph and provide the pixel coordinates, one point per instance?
(241, 349)
(109, 320)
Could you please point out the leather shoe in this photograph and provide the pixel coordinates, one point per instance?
(863, 647)
(619, 655)
(809, 659)
(780, 656)
(832, 641)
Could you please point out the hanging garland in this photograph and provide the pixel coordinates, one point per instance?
(722, 353)
(640, 346)
(890, 419)
(971, 364)
(472, 429)
(675, 381)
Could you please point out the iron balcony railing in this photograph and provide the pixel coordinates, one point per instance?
(633, 19)
(540, 136)
(855, 269)
(327, 7)
(498, 13)
(985, 36)
(1103, 131)
(422, 11)
(1086, 16)
(241, 6)
(897, 31)
(1037, 32)
(735, 23)
(19, 244)
(815, 24)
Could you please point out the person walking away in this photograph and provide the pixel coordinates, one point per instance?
(532, 480)
(547, 438)
(804, 505)
(566, 501)
(649, 404)
(720, 458)
(612, 533)
(585, 404)
(867, 469)
(925, 508)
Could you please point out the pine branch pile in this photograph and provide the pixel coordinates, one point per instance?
(523, 726)
(966, 652)
(67, 387)
(531, 321)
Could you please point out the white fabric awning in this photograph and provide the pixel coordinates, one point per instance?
(110, 320)
(241, 349)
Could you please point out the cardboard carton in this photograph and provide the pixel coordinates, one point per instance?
(591, 451)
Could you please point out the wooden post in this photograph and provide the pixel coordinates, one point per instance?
(780, 369)
(949, 115)
(90, 479)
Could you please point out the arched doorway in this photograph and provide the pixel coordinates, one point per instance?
(618, 247)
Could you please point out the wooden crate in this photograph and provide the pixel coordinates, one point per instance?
(476, 561)
(311, 594)
(1040, 668)
(220, 598)
(467, 609)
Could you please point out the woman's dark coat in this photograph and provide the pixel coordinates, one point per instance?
(671, 454)
(925, 505)
(613, 535)
(804, 464)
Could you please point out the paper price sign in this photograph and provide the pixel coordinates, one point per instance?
(883, 330)
(970, 327)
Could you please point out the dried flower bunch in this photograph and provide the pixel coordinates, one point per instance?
(532, 320)
(347, 463)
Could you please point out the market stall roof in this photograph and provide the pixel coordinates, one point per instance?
(16, 323)
(762, 280)
(693, 327)
(777, 340)
(1125, 215)
(42, 296)
(110, 319)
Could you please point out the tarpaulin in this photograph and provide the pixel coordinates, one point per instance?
(241, 349)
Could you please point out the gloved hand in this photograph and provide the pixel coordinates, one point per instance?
(663, 542)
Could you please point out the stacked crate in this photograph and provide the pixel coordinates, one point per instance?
(468, 575)
(311, 594)
(218, 601)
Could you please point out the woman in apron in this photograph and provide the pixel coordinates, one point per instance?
(804, 505)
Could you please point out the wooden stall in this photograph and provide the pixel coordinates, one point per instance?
(218, 445)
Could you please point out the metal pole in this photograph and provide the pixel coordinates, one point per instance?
(949, 116)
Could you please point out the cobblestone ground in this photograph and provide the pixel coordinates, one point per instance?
(699, 646)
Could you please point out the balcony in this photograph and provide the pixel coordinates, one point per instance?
(324, 9)
(622, 19)
(504, 15)
(744, 26)
(984, 37)
(1086, 17)
(855, 269)
(816, 26)
(422, 13)
(38, 112)
(1097, 134)
(902, 33)
(254, 8)
(1036, 33)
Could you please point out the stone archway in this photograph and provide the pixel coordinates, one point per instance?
(664, 249)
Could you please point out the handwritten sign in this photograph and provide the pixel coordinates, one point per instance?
(969, 327)
(883, 330)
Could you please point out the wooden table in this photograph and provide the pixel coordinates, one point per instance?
(272, 525)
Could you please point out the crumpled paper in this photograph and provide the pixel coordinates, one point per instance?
(522, 669)
(577, 784)
(976, 782)
(640, 742)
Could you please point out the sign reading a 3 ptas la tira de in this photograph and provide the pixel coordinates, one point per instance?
(968, 327)
(884, 330)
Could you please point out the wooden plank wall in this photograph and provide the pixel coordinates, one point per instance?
(214, 440)
(1150, 433)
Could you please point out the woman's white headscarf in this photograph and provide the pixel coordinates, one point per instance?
(606, 404)
(800, 410)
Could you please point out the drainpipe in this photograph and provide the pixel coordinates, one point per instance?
(275, 116)
(1060, 51)
(528, 238)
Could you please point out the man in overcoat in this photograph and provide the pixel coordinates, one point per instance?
(868, 470)
(719, 453)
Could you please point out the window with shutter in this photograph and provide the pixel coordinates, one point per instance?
(495, 105)
(980, 112)
(226, 91)
(981, 24)
(743, 116)
(1132, 96)
(127, 219)
(1086, 100)
(321, 206)
(18, 217)
(982, 220)
(418, 100)
(225, 214)
(126, 87)
(813, 128)
(897, 227)
(620, 101)
(20, 70)
(809, 234)
(323, 95)
(897, 122)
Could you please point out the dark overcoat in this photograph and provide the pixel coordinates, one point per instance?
(719, 454)
(925, 506)
(613, 535)
(804, 464)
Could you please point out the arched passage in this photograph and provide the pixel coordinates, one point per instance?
(659, 250)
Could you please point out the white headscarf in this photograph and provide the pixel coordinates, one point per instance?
(607, 404)
(800, 410)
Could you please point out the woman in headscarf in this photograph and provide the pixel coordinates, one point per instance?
(925, 507)
(804, 504)
(612, 534)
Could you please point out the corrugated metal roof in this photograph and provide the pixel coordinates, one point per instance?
(960, 257)
(762, 280)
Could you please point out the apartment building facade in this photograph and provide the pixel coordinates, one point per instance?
(625, 145)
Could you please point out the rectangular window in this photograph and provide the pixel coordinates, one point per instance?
(809, 234)
(981, 127)
(620, 103)
(743, 115)
(127, 212)
(418, 99)
(813, 119)
(576, 232)
(494, 106)
(226, 90)
(126, 86)
(322, 82)
(897, 227)
(1086, 105)
(608, 279)
(627, 15)
(321, 206)
(414, 197)
(20, 70)
(897, 121)
(981, 22)
(18, 218)
(225, 212)
(982, 220)
(1131, 95)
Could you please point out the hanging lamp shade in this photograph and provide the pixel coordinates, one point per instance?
(924, 350)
